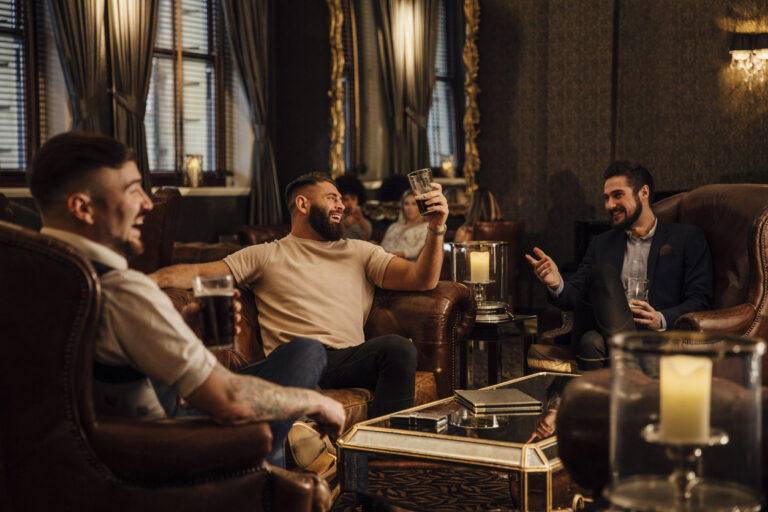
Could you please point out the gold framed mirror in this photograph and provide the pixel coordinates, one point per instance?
(471, 119)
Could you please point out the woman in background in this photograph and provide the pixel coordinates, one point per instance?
(353, 196)
(406, 236)
(482, 208)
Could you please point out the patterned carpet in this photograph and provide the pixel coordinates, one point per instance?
(435, 488)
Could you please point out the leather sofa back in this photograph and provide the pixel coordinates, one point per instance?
(733, 218)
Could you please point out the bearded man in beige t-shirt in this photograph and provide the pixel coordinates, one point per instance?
(315, 284)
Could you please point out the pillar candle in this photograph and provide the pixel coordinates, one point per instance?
(479, 264)
(686, 383)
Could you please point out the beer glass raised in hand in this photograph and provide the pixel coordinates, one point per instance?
(420, 181)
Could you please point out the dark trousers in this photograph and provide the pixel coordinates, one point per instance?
(601, 312)
(299, 363)
(385, 365)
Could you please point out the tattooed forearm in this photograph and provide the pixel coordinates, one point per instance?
(268, 401)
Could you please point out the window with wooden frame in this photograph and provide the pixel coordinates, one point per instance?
(18, 90)
(442, 125)
(186, 109)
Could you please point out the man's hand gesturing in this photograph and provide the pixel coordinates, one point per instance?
(545, 268)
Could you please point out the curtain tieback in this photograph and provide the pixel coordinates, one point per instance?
(128, 102)
(420, 120)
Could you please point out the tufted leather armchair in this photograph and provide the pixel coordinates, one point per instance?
(57, 454)
(734, 218)
(435, 320)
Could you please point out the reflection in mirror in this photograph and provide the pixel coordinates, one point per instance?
(362, 142)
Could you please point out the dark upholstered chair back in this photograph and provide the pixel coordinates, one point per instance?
(159, 231)
(56, 455)
(735, 221)
(50, 302)
(504, 231)
(6, 209)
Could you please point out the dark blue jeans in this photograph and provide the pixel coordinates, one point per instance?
(385, 365)
(299, 363)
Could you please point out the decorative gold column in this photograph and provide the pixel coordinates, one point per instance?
(336, 93)
(471, 120)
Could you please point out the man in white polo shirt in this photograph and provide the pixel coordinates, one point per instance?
(315, 284)
(88, 190)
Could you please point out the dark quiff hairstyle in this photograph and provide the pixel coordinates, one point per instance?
(352, 186)
(65, 161)
(636, 175)
(294, 188)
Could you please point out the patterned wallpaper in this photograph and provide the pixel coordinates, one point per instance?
(546, 115)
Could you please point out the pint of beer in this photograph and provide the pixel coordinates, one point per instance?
(420, 181)
(216, 296)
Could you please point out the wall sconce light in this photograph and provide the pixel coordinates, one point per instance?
(749, 54)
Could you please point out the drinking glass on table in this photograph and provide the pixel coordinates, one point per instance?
(216, 296)
(636, 288)
(420, 181)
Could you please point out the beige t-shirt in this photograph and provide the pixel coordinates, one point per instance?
(306, 288)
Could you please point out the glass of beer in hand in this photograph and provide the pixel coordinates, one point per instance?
(420, 181)
(216, 296)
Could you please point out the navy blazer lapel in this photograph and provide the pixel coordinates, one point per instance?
(659, 239)
(618, 247)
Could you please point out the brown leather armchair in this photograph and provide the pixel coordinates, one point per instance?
(159, 231)
(435, 320)
(510, 231)
(6, 209)
(734, 218)
(56, 454)
(252, 235)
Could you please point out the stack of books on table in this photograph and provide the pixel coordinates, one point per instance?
(497, 401)
(422, 421)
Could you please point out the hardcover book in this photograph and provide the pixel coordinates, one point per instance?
(497, 401)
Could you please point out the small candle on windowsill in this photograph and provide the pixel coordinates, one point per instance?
(479, 267)
(686, 385)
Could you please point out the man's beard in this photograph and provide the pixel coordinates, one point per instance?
(128, 248)
(628, 219)
(320, 222)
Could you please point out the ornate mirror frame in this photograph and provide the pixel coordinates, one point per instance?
(471, 60)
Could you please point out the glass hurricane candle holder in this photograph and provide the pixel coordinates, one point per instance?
(483, 266)
(685, 421)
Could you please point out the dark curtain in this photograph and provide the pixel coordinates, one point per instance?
(132, 27)
(407, 34)
(78, 26)
(248, 27)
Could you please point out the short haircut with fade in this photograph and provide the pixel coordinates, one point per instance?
(294, 188)
(636, 175)
(66, 160)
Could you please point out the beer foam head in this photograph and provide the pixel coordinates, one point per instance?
(214, 292)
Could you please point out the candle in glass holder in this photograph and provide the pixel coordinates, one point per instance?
(686, 384)
(479, 267)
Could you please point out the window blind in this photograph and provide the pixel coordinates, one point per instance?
(12, 81)
(441, 123)
(180, 118)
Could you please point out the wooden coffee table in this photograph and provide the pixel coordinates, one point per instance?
(465, 467)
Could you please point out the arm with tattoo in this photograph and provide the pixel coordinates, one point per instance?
(232, 398)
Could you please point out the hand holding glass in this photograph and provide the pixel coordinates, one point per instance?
(636, 289)
(216, 296)
(420, 181)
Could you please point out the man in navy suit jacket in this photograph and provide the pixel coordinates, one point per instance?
(674, 258)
